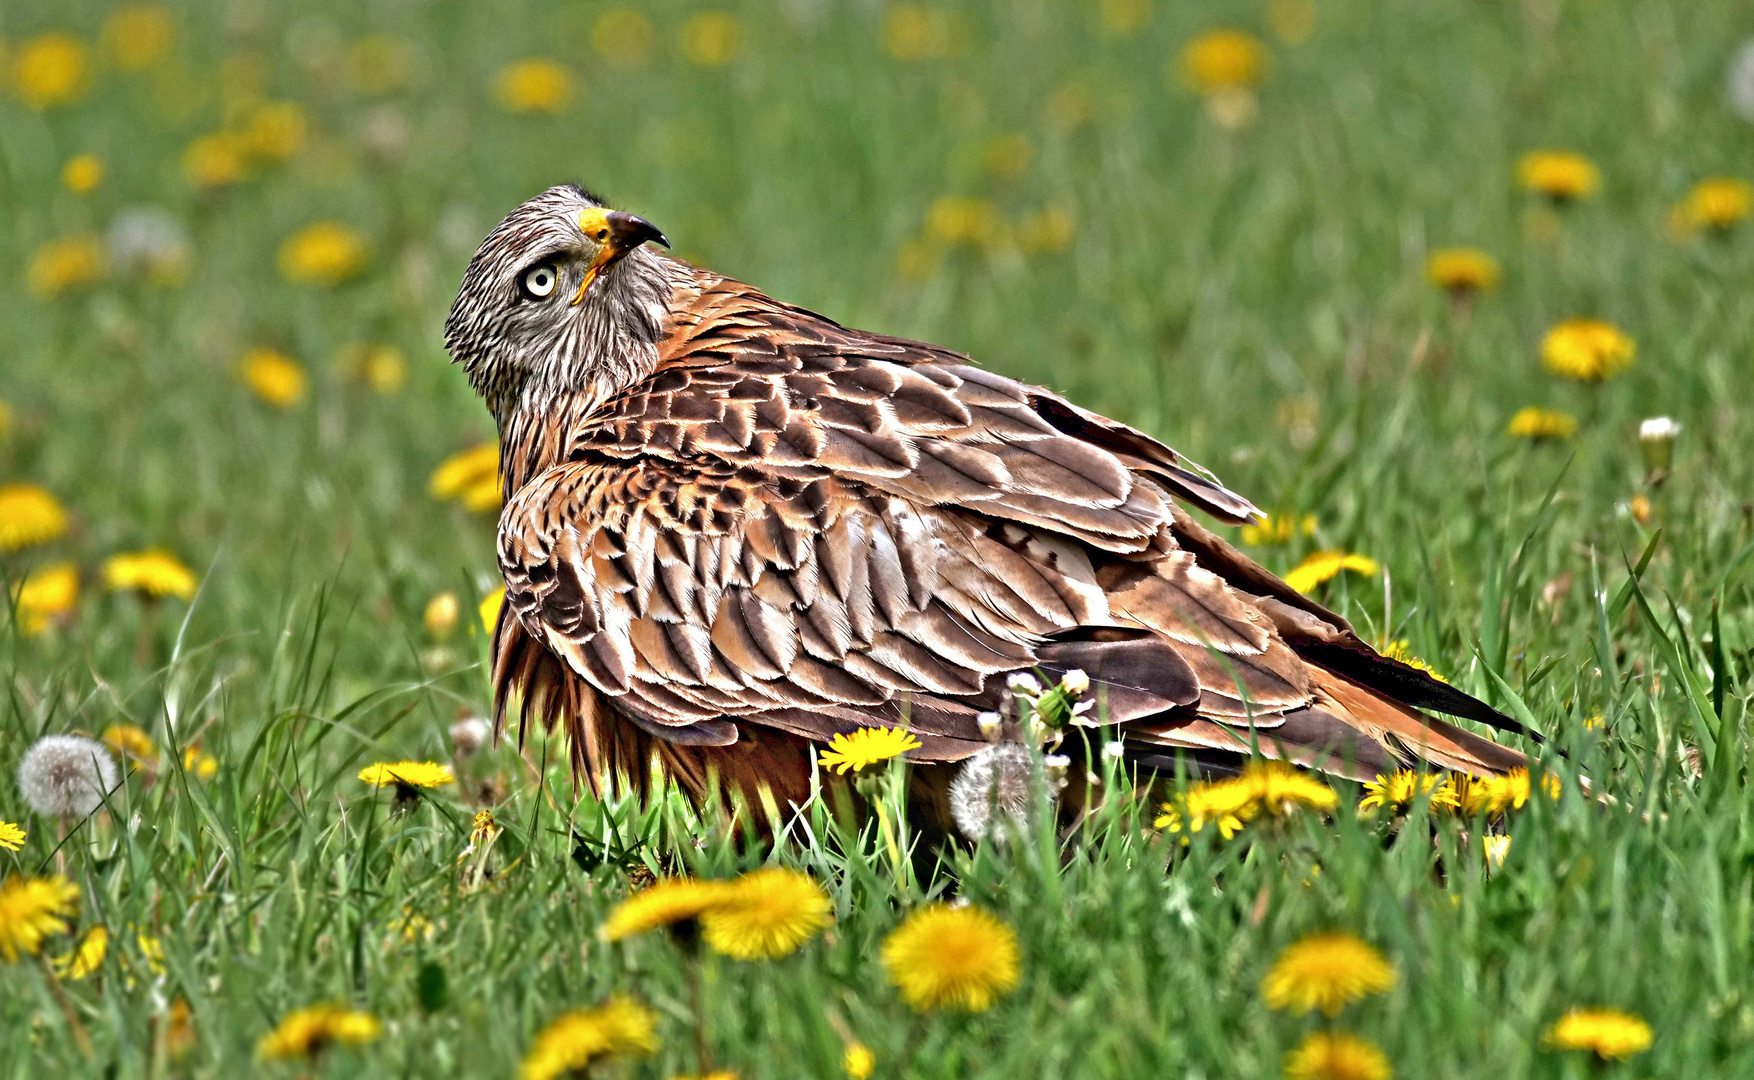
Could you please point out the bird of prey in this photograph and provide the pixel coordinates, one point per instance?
(734, 528)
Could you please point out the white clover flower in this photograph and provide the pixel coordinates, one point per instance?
(1075, 681)
(990, 795)
(66, 776)
(1739, 82)
(469, 735)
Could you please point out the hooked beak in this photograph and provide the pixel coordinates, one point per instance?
(616, 233)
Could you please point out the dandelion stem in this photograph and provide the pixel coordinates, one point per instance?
(73, 1024)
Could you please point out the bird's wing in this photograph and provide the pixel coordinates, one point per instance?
(815, 528)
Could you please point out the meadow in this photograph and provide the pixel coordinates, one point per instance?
(229, 233)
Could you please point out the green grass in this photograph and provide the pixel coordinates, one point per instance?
(1256, 298)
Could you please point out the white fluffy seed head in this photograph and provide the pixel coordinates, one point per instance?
(1658, 429)
(990, 796)
(66, 776)
(469, 735)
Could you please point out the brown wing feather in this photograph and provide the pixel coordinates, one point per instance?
(791, 529)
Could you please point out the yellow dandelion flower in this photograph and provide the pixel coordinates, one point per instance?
(1052, 229)
(32, 909)
(407, 774)
(276, 378)
(381, 367)
(1278, 529)
(482, 829)
(1292, 21)
(1401, 789)
(82, 173)
(1398, 650)
(466, 472)
(29, 516)
(46, 594)
(533, 86)
(216, 160)
(710, 38)
(131, 742)
(1325, 565)
(11, 836)
(276, 131)
(87, 957)
(1221, 60)
(1558, 174)
(1326, 971)
(1511, 791)
(858, 1062)
(866, 747)
(622, 36)
(180, 1029)
(953, 219)
(717, 1074)
(489, 608)
(200, 762)
(1280, 788)
(1462, 271)
(567, 1047)
(1336, 1055)
(1587, 350)
(440, 616)
(1496, 848)
(63, 265)
(138, 36)
(1607, 1033)
(675, 902)
(942, 956)
(1534, 422)
(307, 1032)
(1719, 203)
(326, 253)
(51, 69)
(766, 914)
(155, 572)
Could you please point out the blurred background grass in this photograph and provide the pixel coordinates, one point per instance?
(1036, 183)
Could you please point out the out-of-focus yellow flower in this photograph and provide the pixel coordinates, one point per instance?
(1072, 105)
(619, 1027)
(29, 516)
(1496, 850)
(411, 774)
(1007, 155)
(1717, 203)
(380, 63)
(1607, 1033)
(710, 38)
(961, 957)
(1640, 508)
(1221, 60)
(307, 1032)
(1534, 422)
(381, 367)
(87, 957)
(274, 377)
(531, 86)
(32, 909)
(440, 616)
(1462, 271)
(216, 160)
(1264, 787)
(470, 476)
(866, 747)
(326, 253)
(917, 260)
(1051, 230)
(489, 608)
(138, 36)
(766, 914)
(1336, 1055)
(954, 219)
(675, 904)
(58, 266)
(131, 742)
(1326, 971)
(45, 594)
(1124, 18)
(912, 33)
(200, 762)
(858, 1062)
(1588, 350)
(82, 173)
(1398, 650)
(1324, 565)
(1292, 21)
(1559, 174)
(622, 36)
(155, 572)
(1278, 529)
(51, 69)
(11, 836)
(1402, 788)
(276, 130)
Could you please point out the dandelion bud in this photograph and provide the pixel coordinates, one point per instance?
(1075, 681)
(989, 722)
(441, 615)
(1656, 441)
(66, 776)
(1054, 766)
(990, 795)
(469, 735)
(1023, 682)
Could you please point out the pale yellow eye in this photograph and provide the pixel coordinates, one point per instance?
(540, 280)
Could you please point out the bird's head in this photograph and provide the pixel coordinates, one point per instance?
(562, 296)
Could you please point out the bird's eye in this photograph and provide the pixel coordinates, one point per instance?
(539, 281)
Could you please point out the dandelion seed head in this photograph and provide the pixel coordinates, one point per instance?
(66, 775)
(990, 795)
